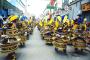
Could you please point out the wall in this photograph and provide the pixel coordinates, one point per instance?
(75, 10)
(85, 1)
(86, 14)
(4, 12)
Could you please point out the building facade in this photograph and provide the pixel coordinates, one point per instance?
(77, 9)
(86, 9)
(64, 10)
(7, 8)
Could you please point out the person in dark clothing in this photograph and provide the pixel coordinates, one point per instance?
(1, 23)
(80, 20)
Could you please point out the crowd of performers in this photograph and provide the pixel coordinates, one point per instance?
(14, 32)
(61, 32)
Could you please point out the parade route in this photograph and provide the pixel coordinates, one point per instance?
(44, 29)
(36, 49)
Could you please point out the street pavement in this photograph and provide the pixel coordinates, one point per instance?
(36, 49)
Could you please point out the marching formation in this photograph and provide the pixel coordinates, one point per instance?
(14, 31)
(58, 31)
(61, 32)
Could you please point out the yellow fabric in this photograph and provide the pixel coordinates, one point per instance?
(13, 18)
(72, 22)
(56, 23)
(40, 23)
(68, 22)
(29, 22)
(51, 21)
(85, 19)
(59, 18)
(75, 27)
(3, 26)
(85, 26)
(13, 26)
(55, 28)
(65, 18)
(23, 23)
(45, 22)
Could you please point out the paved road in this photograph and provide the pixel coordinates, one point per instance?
(36, 49)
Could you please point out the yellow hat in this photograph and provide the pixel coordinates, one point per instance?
(12, 18)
